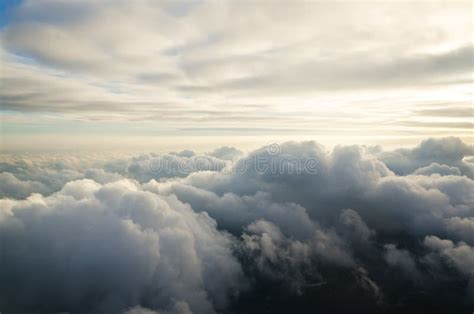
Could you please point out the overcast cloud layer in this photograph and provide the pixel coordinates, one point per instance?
(377, 69)
(290, 227)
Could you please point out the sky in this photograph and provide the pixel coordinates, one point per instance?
(317, 156)
(164, 74)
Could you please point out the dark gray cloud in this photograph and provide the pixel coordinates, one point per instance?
(401, 259)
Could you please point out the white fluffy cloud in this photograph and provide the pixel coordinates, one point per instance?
(92, 247)
(292, 220)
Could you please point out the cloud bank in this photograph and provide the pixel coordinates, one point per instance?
(290, 227)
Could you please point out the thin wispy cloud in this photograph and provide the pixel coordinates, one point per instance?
(122, 60)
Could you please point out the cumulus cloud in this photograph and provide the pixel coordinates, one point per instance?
(226, 153)
(441, 156)
(158, 166)
(463, 227)
(354, 228)
(460, 254)
(11, 186)
(103, 248)
(436, 168)
(24, 175)
(395, 211)
(178, 308)
(400, 258)
(290, 226)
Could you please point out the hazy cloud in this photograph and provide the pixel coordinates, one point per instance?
(295, 59)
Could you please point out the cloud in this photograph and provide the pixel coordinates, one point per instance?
(460, 256)
(436, 168)
(157, 166)
(283, 226)
(178, 308)
(184, 66)
(449, 151)
(354, 228)
(402, 259)
(291, 227)
(13, 187)
(346, 73)
(462, 227)
(226, 152)
(394, 211)
(446, 112)
(103, 248)
(24, 175)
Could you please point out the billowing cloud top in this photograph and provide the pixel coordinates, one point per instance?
(232, 67)
(290, 227)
